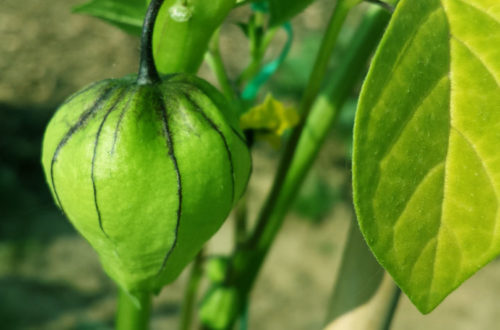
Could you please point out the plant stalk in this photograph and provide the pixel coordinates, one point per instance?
(191, 291)
(133, 315)
(262, 238)
(147, 69)
(240, 222)
(257, 56)
(248, 259)
(392, 306)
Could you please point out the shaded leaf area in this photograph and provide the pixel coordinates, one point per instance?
(427, 147)
(283, 10)
(28, 210)
(125, 14)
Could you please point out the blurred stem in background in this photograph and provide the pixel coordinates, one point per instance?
(267, 226)
(364, 296)
(257, 50)
(241, 219)
(133, 314)
(307, 139)
(190, 293)
(360, 301)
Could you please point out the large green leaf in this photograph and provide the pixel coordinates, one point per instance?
(427, 146)
(126, 14)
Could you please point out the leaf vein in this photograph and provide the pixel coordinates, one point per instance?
(481, 161)
(487, 171)
(429, 241)
(476, 55)
(482, 10)
(404, 52)
(429, 173)
(413, 111)
(433, 270)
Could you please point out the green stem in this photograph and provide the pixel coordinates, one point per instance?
(147, 69)
(259, 240)
(191, 291)
(393, 305)
(257, 56)
(320, 119)
(214, 60)
(133, 314)
(248, 259)
(240, 219)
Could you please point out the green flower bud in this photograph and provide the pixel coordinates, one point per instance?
(146, 172)
(219, 307)
(216, 268)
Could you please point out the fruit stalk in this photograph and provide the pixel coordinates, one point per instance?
(133, 315)
(147, 69)
(265, 231)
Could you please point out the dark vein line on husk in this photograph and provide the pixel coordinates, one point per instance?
(81, 92)
(82, 121)
(170, 146)
(198, 109)
(120, 119)
(94, 156)
(188, 88)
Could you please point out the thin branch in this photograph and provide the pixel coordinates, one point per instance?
(191, 291)
(147, 69)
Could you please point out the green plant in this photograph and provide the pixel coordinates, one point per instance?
(426, 173)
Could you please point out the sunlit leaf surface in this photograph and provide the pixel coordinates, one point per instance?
(427, 146)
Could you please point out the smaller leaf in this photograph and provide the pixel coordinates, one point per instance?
(426, 172)
(127, 15)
